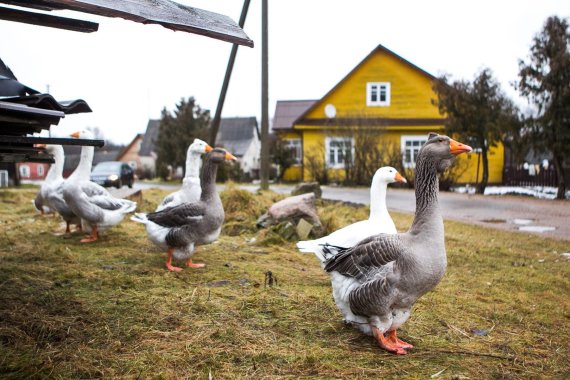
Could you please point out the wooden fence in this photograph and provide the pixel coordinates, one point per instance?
(513, 176)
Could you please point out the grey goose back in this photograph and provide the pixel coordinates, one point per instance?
(96, 207)
(181, 228)
(376, 282)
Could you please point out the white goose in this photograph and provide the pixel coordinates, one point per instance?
(191, 190)
(52, 188)
(378, 222)
(96, 207)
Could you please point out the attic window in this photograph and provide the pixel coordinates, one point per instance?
(378, 94)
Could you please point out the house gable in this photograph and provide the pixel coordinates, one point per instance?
(410, 95)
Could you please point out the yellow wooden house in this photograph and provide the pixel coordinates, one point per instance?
(385, 98)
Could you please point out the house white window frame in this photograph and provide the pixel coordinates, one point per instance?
(376, 88)
(413, 153)
(25, 171)
(337, 164)
(40, 169)
(297, 147)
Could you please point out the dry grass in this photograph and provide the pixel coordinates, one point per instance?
(111, 309)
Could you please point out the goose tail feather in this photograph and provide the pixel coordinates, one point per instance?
(139, 218)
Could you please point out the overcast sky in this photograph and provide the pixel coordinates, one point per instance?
(128, 72)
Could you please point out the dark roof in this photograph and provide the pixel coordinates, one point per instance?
(167, 13)
(23, 111)
(150, 136)
(287, 111)
(379, 48)
(236, 133)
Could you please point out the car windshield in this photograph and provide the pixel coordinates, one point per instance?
(108, 167)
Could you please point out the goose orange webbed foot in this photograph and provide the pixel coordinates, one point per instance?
(392, 338)
(386, 344)
(169, 265)
(88, 239)
(190, 264)
(91, 238)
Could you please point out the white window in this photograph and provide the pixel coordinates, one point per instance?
(338, 151)
(295, 146)
(378, 94)
(40, 170)
(410, 148)
(24, 171)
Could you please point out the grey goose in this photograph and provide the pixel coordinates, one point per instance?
(181, 228)
(376, 282)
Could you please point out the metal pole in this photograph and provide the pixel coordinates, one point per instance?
(264, 101)
(215, 127)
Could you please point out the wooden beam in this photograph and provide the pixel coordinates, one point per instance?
(41, 19)
(50, 140)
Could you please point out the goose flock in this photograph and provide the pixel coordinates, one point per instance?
(376, 273)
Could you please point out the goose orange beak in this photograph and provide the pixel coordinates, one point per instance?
(209, 148)
(75, 134)
(230, 157)
(40, 145)
(399, 178)
(455, 147)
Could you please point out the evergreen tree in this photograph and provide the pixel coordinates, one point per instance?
(177, 131)
(477, 112)
(545, 82)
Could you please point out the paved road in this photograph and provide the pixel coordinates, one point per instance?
(513, 213)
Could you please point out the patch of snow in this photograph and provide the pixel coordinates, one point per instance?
(522, 222)
(542, 192)
(566, 254)
(537, 228)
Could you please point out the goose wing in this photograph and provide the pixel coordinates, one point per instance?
(166, 201)
(181, 215)
(100, 197)
(92, 189)
(55, 199)
(368, 257)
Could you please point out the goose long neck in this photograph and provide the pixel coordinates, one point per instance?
(378, 191)
(85, 162)
(428, 216)
(55, 171)
(193, 163)
(208, 180)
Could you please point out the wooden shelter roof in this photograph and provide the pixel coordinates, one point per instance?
(167, 13)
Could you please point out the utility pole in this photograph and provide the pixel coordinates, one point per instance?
(264, 101)
(218, 116)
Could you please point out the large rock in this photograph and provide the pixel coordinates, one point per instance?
(292, 216)
(308, 187)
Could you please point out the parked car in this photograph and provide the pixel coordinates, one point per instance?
(113, 173)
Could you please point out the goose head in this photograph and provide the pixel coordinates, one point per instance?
(388, 174)
(218, 155)
(83, 134)
(199, 147)
(442, 150)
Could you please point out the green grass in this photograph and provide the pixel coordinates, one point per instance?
(112, 310)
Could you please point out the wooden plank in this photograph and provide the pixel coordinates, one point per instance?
(42, 19)
(50, 140)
